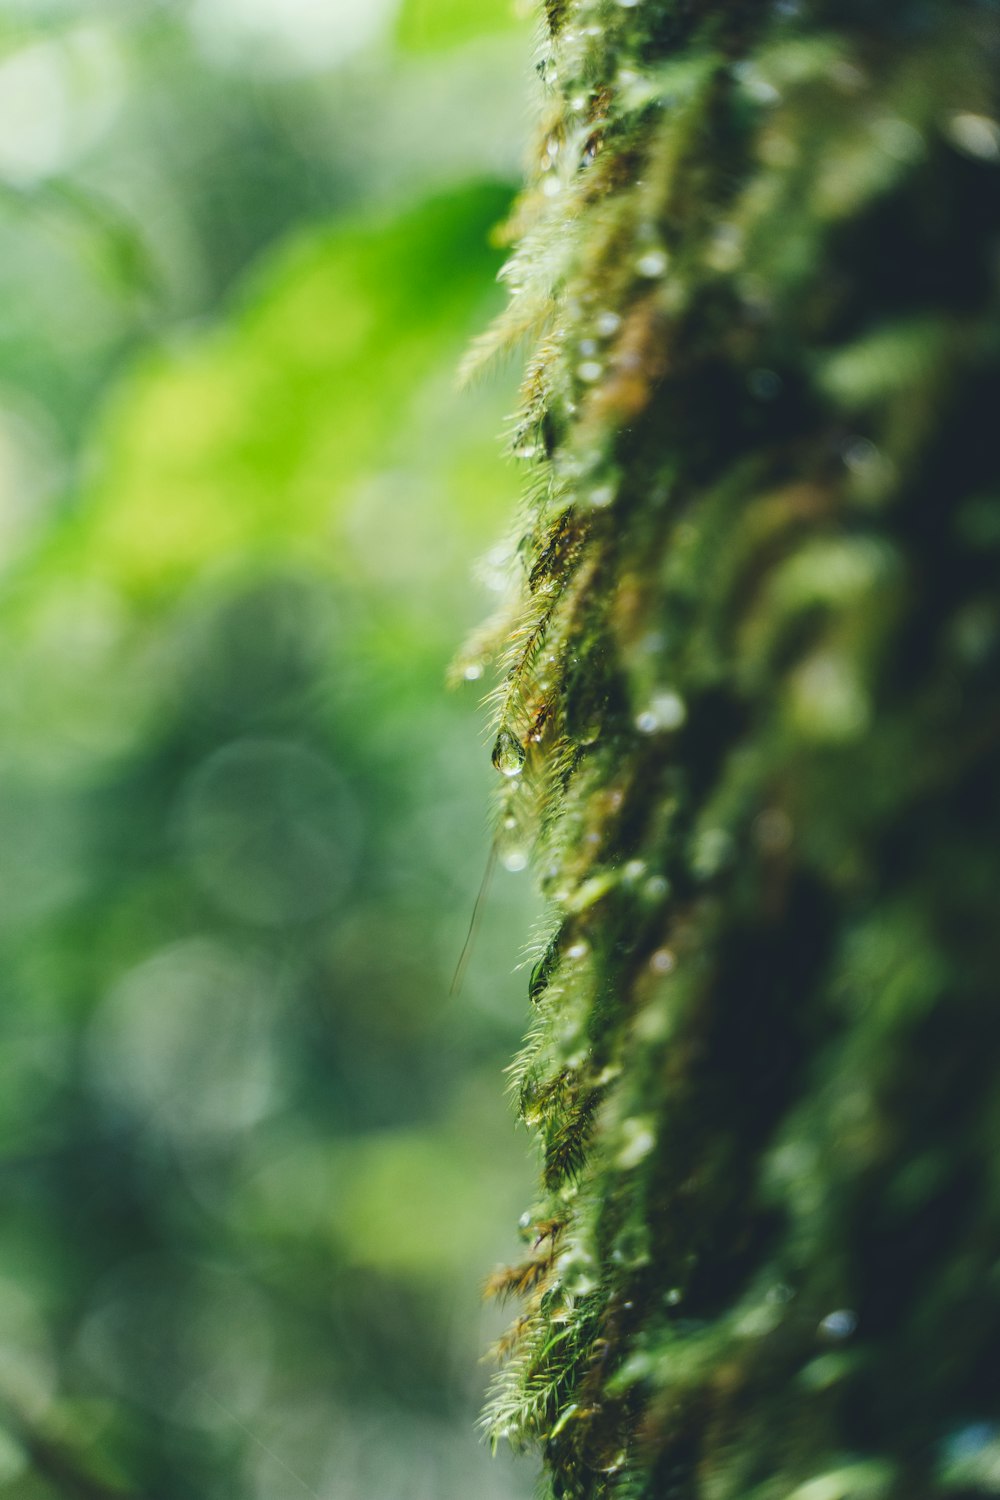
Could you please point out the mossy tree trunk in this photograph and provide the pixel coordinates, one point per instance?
(748, 720)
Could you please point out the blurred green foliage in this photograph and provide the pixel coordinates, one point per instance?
(254, 1159)
(428, 24)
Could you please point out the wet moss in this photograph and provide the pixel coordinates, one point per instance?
(751, 659)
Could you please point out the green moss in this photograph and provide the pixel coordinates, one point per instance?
(750, 672)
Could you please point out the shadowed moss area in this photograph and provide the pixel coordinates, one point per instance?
(747, 717)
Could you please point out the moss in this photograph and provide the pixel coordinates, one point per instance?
(749, 709)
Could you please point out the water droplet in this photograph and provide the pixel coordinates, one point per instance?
(725, 247)
(713, 850)
(524, 1222)
(631, 1247)
(639, 1138)
(975, 135)
(590, 370)
(589, 346)
(628, 4)
(577, 950)
(656, 887)
(607, 324)
(654, 262)
(525, 448)
(575, 1269)
(515, 860)
(762, 91)
(508, 754)
(601, 496)
(828, 701)
(839, 1325)
(670, 710)
(589, 730)
(673, 1297)
(634, 870)
(551, 187)
(542, 972)
(667, 711)
(663, 961)
(860, 454)
(969, 1442)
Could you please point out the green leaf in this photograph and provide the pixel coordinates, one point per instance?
(428, 25)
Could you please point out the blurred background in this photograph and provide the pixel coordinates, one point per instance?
(255, 1161)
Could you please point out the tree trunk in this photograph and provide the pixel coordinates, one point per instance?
(747, 721)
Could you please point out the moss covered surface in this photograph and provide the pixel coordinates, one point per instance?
(747, 722)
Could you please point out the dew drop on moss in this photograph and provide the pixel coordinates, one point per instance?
(975, 135)
(667, 711)
(575, 1268)
(712, 852)
(653, 263)
(638, 1139)
(508, 754)
(839, 1325)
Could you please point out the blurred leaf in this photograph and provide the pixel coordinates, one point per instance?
(247, 438)
(425, 25)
